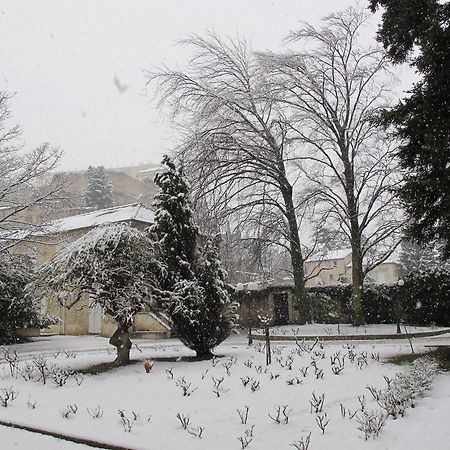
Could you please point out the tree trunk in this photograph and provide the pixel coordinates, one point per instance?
(296, 259)
(121, 340)
(357, 283)
(355, 233)
(204, 353)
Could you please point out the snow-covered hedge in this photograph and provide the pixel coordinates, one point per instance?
(424, 299)
(18, 308)
(403, 390)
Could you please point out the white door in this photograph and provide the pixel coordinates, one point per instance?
(95, 318)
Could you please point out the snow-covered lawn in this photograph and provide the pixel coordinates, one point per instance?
(216, 390)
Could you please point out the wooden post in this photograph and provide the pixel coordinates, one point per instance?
(268, 351)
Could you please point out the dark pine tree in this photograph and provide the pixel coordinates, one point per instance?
(419, 31)
(98, 190)
(199, 305)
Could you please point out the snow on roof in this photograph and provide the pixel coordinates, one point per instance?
(331, 255)
(390, 260)
(135, 211)
(151, 170)
(251, 286)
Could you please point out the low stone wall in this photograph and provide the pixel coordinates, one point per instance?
(350, 337)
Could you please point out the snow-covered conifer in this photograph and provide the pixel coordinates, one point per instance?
(174, 226)
(415, 257)
(98, 190)
(199, 307)
(202, 310)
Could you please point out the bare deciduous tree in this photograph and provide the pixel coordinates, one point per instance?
(332, 89)
(237, 146)
(21, 180)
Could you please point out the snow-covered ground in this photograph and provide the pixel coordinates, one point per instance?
(18, 439)
(157, 398)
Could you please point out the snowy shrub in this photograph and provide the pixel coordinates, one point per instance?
(322, 421)
(68, 411)
(337, 363)
(281, 415)
(196, 431)
(370, 423)
(31, 404)
(218, 389)
(95, 413)
(19, 307)
(317, 402)
(403, 389)
(424, 299)
(7, 395)
(303, 443)
(184, 420)
(247, 437)
(243, 414)
(41, 368)
(60, 375)
(12, 358)
(127, 422)
(185, 387)
(29, 372)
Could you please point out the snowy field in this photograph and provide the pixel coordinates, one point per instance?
(137, 410)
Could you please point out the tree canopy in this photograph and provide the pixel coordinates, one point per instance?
(418, 32)
(115, 265)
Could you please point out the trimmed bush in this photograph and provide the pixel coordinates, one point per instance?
(426, 297)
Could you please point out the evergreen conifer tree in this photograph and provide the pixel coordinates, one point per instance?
(174, 225)
(98, 191)
(418, 32)
(420, 257)
(199, 306)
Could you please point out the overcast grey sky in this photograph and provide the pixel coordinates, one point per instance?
(77, 65)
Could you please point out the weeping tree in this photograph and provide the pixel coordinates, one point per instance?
(199, 304)
(117, 267)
